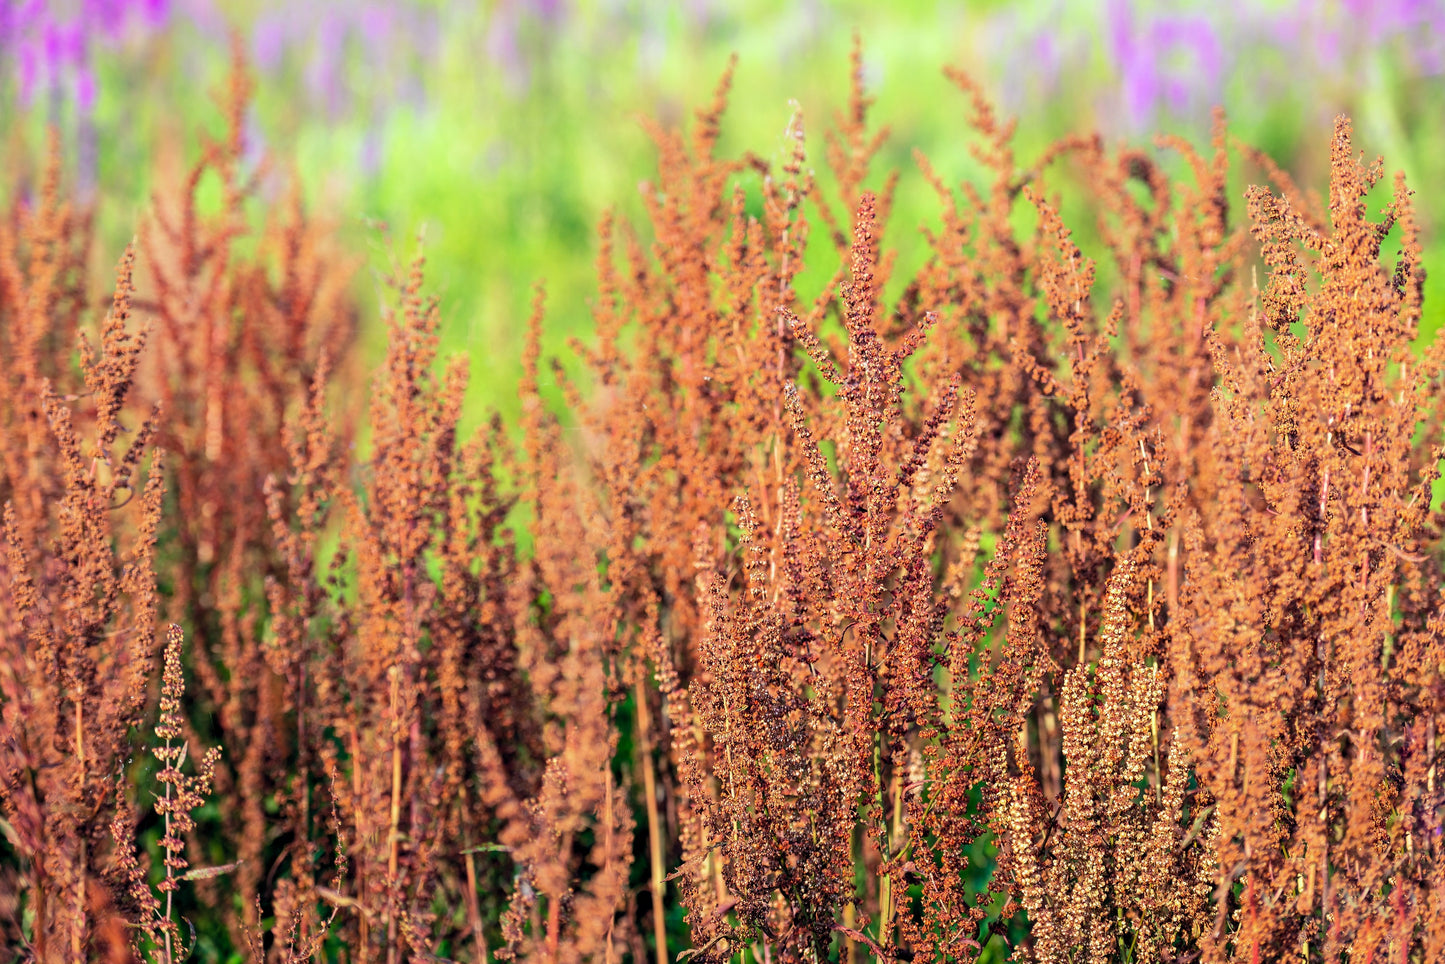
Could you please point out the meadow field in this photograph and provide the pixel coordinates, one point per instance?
(600, 481)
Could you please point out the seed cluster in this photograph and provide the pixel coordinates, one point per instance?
(1052, 609)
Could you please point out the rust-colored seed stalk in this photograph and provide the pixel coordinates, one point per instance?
(1059, 608)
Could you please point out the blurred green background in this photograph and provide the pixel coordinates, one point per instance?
(502, 131)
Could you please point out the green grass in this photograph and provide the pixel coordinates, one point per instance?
(507, 183)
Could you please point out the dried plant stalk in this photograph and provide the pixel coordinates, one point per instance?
(1056, 608)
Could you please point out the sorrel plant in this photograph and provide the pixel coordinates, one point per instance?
(1052, 609)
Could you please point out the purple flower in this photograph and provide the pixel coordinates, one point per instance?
(52, 44)
(1171, 61)
(350, 56)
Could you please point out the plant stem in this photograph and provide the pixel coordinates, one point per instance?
(474, 911)
(77, 934)
(170, 873)
(654, 823)
(361, 895)
(392, 837)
